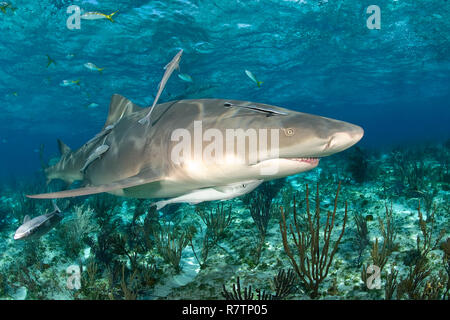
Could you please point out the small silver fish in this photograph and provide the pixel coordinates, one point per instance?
(92, 105)
(37, 227)
(69, 83)
(185, 77)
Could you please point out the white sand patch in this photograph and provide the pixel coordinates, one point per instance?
(189, 271)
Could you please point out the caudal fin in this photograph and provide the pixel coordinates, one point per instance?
(109, 16)
(259, 83)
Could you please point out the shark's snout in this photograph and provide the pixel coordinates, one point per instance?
(342, 140)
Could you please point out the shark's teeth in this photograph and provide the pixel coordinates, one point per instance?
(310, 160)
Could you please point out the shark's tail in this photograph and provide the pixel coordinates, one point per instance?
(109, 16)
(100, 69)
(259, 83)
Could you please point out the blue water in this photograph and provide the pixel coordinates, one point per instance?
(318, 57)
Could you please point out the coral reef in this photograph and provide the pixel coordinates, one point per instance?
(284, 283)
(126, 249)
(314, 257)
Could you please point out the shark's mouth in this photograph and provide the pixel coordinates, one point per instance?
(309, 160)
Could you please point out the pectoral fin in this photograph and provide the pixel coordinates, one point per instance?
(137, 180)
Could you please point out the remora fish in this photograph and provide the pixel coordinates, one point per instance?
(37, 227)
(142, 162)
(170, 67)
(210, 194)
(98, 15)
(95, 155)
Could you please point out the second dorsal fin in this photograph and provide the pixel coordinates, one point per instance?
(119, 108)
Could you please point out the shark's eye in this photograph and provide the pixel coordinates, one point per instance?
(289, 132)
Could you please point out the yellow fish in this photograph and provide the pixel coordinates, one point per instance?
(69, 83)
(253, 78)
(50, 61)
(98, 15)
(5, 5)
(92, 66)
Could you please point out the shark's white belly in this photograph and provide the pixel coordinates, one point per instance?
(193, 176)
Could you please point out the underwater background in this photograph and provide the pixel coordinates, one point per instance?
(313, 56)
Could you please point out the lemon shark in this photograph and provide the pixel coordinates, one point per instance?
(180, 155)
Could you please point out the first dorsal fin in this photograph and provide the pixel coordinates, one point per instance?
(26, 219)
(63, 148)
(119, 108)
